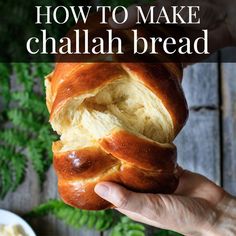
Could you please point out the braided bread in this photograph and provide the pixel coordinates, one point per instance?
(116, 123)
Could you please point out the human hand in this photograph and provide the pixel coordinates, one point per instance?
(198, 207)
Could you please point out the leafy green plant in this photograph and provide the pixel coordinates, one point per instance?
(166, 233)
(25, 135)
(98, 220)
(125, 226)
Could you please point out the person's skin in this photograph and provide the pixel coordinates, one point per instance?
(198, 207)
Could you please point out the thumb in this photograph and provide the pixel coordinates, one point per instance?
(120, 197)
(150, 207)
(146, 208)
(178, 213)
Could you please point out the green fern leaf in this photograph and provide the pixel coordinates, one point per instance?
(23, 109)
(128, 227)
(37, 105)
(9, 176)
(166, 233)
(22, 72)
(18, 166)
(20, 97)
(45, 135)
(75, 217)
(5, 83)
(35, 153)
(40, 70)
(6, 180)
(31, 102)
(12, 137)
(24, 120)
(91, 221)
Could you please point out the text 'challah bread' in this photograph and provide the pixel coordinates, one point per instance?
(116, 123)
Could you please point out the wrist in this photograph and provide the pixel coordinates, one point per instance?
(225, 223)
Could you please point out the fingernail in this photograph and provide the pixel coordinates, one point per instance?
(102, 190)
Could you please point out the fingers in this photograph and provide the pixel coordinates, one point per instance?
(173, 212)
(145, 208)
(120, 197)
(139, 206)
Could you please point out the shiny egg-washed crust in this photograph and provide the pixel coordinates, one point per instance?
(131, 160)
(121, 157)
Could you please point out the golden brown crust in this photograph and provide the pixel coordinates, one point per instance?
(142, 166)
(82, 164)
(84, 78)
(126, 158)
(81, 195)
(80, 79)
(134, 162)
(164, 84)
(140, 152)
(147, 181)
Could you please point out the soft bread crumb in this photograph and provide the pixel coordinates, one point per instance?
(124, 103)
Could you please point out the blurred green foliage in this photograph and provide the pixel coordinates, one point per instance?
(25, 135)
(98, 220)
(125, 226)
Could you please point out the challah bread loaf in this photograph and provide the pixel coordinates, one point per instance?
(116, 122)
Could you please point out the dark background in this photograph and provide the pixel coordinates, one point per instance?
(17, 25)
